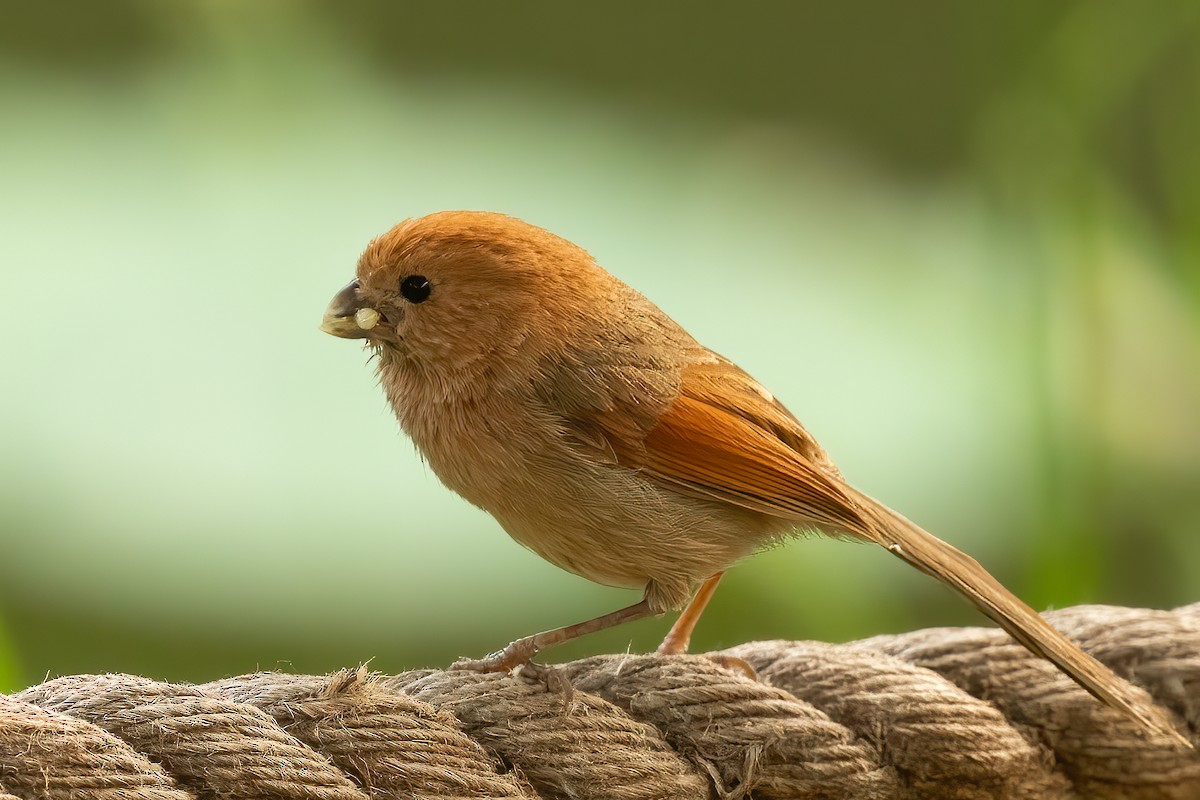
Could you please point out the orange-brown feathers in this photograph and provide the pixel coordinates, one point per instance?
(725, 437)
(602, 436)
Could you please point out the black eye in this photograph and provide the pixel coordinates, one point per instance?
(416, 288)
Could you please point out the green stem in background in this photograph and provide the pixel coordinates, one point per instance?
(9, 674)
(1065, 554)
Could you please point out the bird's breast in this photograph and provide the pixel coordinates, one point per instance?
(599, 520)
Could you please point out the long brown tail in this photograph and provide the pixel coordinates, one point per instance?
(956, 569)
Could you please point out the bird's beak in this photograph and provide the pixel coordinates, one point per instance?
(348, 316)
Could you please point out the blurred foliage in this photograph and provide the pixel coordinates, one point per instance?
(980, 223)
(9, 677)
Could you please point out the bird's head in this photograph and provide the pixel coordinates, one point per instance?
(457, 287)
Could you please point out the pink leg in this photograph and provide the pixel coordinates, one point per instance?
(680, 636)
(522, 650)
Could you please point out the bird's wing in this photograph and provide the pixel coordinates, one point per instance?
(725, 437)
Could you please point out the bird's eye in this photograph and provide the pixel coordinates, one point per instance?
(416, 288)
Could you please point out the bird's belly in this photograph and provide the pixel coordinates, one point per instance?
(602, 521)
(612, 526)
(589, 553)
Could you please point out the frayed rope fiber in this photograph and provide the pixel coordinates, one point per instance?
(939, 713)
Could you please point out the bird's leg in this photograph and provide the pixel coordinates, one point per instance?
(522, 650)
(680, 635)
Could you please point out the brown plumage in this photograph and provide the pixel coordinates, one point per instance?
(606, 439)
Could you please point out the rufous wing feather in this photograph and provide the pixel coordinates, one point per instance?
(726, 438)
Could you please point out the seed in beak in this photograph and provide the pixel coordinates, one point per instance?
(366, 318)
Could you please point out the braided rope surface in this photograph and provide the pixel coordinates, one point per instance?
(938, 713)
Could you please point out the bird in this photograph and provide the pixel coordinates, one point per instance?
(603, 437)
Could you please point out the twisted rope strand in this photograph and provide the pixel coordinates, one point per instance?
(58, 757)
(590, 749)
(938, 737)
(1159, 650)
(361, 725)
(1103, 752)
(206, 742)
(755, 735)
(938, 714)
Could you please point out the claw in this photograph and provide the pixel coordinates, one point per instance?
(733, 664)
(553, 679)
(488, 664)
(515, 655)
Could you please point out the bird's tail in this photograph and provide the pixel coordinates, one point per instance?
(951, 566)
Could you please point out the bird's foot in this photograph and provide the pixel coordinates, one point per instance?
(675, 645)
(518, 656)
(733, 664)
(552, 678)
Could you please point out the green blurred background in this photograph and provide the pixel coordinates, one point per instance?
(959, 240)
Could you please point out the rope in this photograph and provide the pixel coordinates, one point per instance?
(938, 713)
